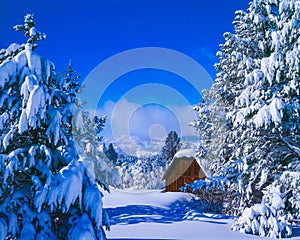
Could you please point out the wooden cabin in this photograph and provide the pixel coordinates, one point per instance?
(184, 168)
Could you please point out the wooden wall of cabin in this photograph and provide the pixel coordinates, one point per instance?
(183, 170)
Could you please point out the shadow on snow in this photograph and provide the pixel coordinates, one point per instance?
(133, 214)
(296, 231)
(141, 239)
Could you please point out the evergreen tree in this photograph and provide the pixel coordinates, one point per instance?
(46, 190)
(111, 154)
(87, 135)
(30, 30)
(145, 173)
(257, 91)
(72, 81)
(212, 130)
(104, 149)
(11, 51)
(172, 145)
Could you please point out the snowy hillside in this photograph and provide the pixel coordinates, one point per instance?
(156, 215)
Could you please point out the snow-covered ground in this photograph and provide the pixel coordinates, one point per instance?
(153, 215)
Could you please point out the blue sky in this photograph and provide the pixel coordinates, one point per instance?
(89, 32)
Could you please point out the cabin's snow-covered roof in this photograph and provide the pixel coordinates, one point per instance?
(185, 153)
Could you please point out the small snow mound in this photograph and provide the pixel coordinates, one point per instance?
(185, 153)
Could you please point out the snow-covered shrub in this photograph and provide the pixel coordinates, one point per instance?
(289, 185)
(265, 219)
(211, 193)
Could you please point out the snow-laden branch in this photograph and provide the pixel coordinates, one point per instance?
(293, 148)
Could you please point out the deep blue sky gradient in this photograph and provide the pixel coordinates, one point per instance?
(88, 32)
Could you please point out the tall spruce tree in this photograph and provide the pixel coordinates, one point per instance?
(111, 154)
(46, 190)
(257, 91)
(172, 145)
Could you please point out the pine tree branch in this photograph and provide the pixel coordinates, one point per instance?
(294, 149)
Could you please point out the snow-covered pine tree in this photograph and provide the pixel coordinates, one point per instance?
(266, 111)
(210, 126)
(72, 81)
(111, 154)
(202, 124)
(104, 148)
(258, 85)
(238, 58)
(86, 131)
(87, 136)
(147, 174)
(126, 175)
(11, 51)
(172, 145)
(30, 30)
(144, 172)
(46, 191)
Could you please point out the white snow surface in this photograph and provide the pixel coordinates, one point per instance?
(185, 153)
(120, 198)
(152, 214)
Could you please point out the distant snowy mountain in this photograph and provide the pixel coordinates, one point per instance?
(190, 142)
(136, 146)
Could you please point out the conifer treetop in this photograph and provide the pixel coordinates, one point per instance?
(30, 30)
